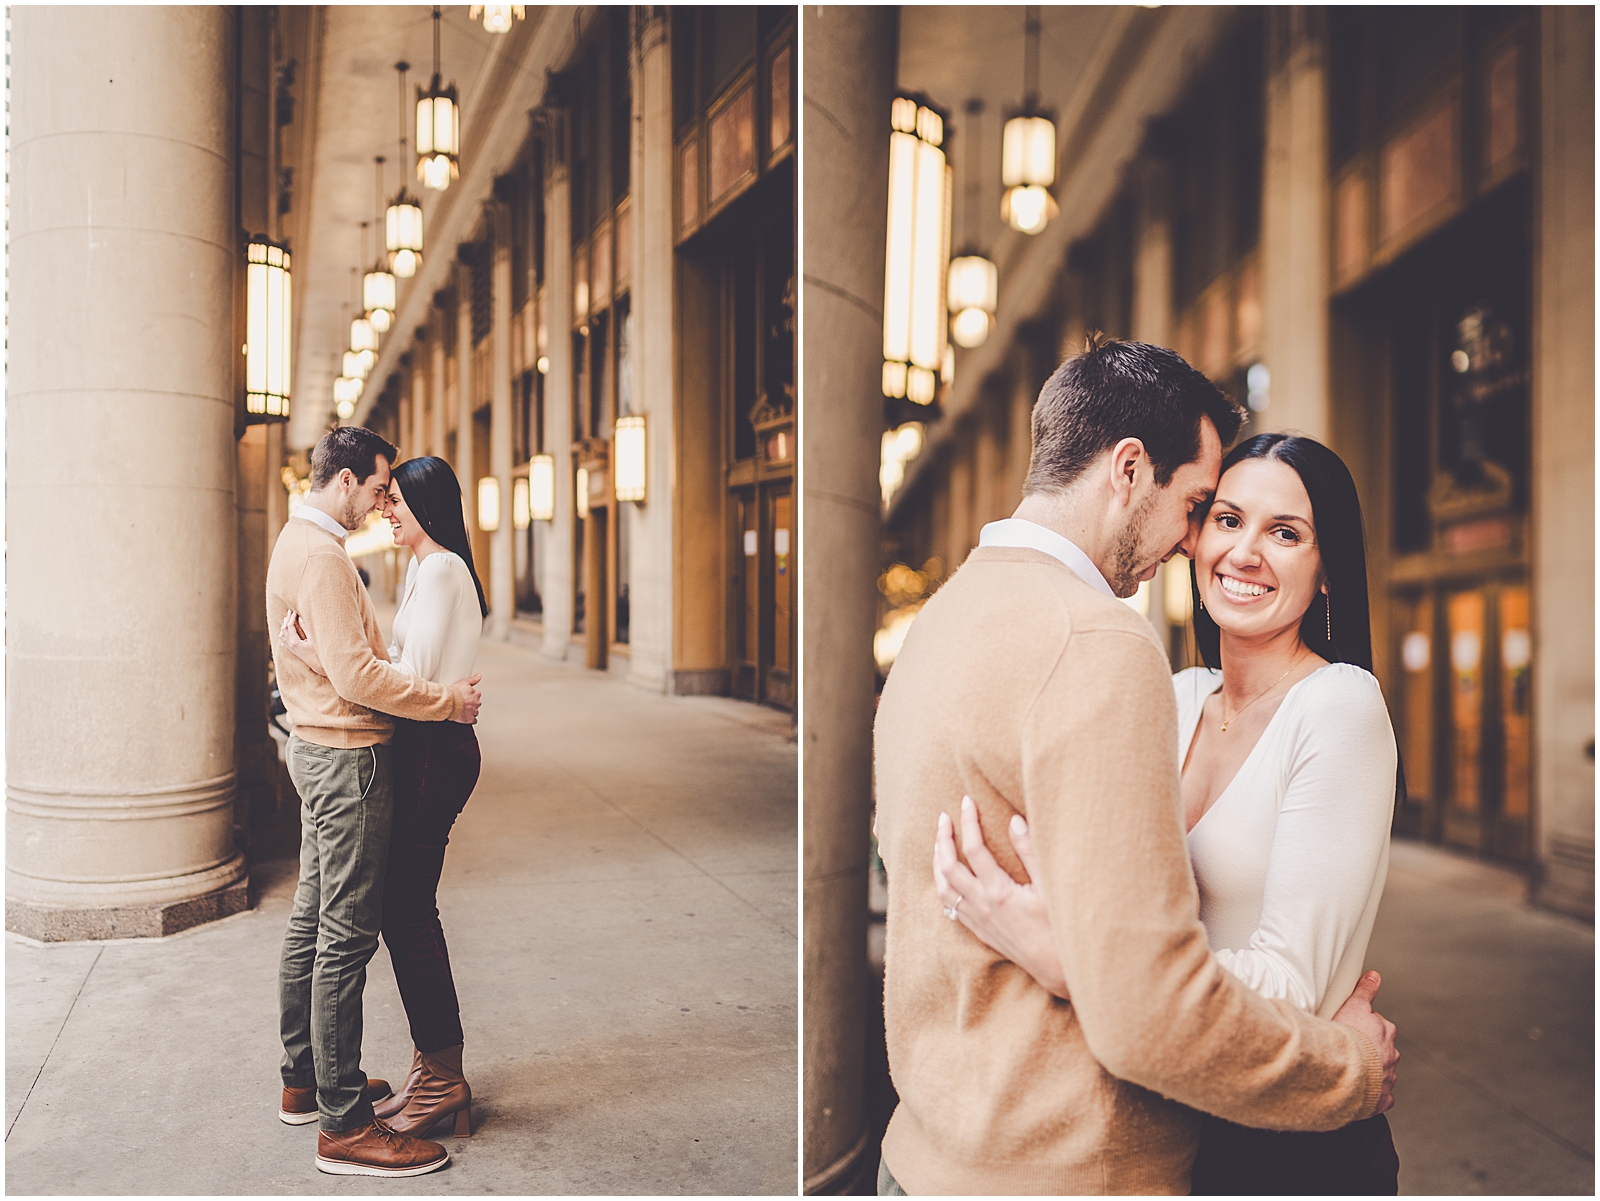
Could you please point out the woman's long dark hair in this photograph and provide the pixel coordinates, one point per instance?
(433, 494)
(1336, 512)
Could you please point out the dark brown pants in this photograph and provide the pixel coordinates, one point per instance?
(1355, 1160)
(434, 769)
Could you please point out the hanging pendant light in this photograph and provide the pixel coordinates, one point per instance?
(438, 126)
(377, 286)
(402, 222)
(918, 249)
(267, 328)
(497, 18)
(1028, 151)
(973, 291)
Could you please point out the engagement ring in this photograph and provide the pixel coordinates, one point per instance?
(949, 912)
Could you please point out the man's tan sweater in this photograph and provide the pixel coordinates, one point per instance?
(311, 574)
(1028, 690)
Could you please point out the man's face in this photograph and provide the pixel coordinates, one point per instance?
(1165, 521)
(362, 498)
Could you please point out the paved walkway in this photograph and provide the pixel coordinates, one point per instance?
(1495, 1004)
(620, 899)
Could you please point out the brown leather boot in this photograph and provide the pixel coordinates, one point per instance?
(441, 1092)
(398, 1102)
(375, 1150)
(299, 1107)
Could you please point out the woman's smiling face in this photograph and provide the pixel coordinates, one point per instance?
(1256, 559)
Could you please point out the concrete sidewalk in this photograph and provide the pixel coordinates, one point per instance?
(1494, 1001)
(620, 900)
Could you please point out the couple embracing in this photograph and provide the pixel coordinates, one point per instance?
(1140, 968)
(383, 757)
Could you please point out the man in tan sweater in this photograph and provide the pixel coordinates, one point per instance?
(339, 761)
(1027, 685)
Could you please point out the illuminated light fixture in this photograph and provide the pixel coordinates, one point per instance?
(497, 18)
(583, 492)
(438, 126)
(543, 365)
(362, 335)
(918, 249)
(347, 389)
(377, 289)
(489, 504)
(1028, 147)
(345, 409)
(1259, 382)
(402, 221)
(268, 307)
(519, 504)
(899, 447)
(630, 459)
(542, 487)
(356, 365)
(974, 291)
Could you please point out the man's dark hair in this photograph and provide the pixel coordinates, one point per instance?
(349, 446)
(1116, 390)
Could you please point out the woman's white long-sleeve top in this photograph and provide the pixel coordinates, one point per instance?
(437, 626)
(1291, 858)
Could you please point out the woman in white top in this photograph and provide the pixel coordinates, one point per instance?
(435, 766)
(1289, 777)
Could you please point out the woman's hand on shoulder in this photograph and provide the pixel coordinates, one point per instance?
(1008, 917)
(292, 637)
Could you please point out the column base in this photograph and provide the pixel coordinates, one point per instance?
(50, 923)
(853, 1174)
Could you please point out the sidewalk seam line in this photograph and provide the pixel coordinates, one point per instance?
(65, 1019)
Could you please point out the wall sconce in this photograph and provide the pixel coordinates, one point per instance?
(489, 504)
(917, 253)
(583, 492)
(497, 18)
(268, 306)
(973, 295)
(519, 503)
(438, 126)
(542, 487)
(630, 443)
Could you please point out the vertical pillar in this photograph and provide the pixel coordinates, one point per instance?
(1153, 312)
(417, 376)
(651, 547)
(122, 629)
(502, 581)
(848, 82)
(464, 431)
(1294, 226)
(556, 569)
(437, 384)
(1563, 464)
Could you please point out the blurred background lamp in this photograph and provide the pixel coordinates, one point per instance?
(268, 306)
(1027, 208)
(1028, 152)
(377, 296)
(355, 365)
(917, 252)
(542, 487)
(438, 126)
(973, 292)
(489, 504)
(1176, 598)
(497, 18)
(543, 365)
(347, 390)
(403, 234)
(519, 503)
(345, 409)
(362, 335)
(583, 492)
(630, 458)
(1259, 382)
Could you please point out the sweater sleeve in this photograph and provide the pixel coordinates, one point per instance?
(1332, 825)
(1155, 1006)
(331, 612)
(435, 597)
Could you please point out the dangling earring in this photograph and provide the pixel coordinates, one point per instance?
(1327, 609)
(1200, 600)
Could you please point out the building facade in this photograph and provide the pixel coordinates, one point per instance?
(1376, 227)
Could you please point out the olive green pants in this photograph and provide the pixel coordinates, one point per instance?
(345, 809)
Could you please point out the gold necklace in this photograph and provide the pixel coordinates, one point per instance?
(1229, 720)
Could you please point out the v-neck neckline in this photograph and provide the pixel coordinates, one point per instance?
(1194, 731)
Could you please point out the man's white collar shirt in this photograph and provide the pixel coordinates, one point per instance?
(1018, 531)
(317, 517)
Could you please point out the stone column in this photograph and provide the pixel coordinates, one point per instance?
(848, 84)
(1294, 226)
(1153, 309)
(464, 431)
(502, 578)
(1563, 459)
(122, 631)
(556, 569)
(651, 548)
(417, 380)
(437, 385)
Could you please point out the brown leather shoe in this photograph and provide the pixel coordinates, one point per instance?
(441, 1093)
(398, 1102)
(375, 1150)
(299, 1106)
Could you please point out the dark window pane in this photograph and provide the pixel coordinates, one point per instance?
(732, 37)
